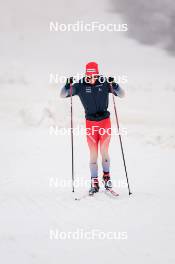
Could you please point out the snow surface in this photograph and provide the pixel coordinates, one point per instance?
(30, 206)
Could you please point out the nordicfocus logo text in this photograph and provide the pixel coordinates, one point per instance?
(79, 77)
(82, 131)
(93, 234)
(81, 26)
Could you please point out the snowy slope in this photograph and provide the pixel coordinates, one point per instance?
(31, 207)
(30, 157)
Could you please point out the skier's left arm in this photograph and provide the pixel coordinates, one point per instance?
(116, 89)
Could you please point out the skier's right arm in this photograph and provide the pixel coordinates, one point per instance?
(65, 91)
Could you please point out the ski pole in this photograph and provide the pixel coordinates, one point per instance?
(72, 138)
(120, 138)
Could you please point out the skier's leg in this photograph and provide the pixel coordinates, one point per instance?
(93, 160)
(104, 146)
(106, 162)
(105, 138)
(92, 139)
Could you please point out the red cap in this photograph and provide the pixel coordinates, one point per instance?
(92, 69)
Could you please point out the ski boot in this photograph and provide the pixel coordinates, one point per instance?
(107, 181)
(94, 186)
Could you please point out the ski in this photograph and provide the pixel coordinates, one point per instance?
(86, 195)
(111, 193)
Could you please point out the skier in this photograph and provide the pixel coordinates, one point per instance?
(93, 91)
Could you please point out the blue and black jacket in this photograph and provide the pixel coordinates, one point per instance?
(94, 97)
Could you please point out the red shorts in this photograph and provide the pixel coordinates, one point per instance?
(98, 132)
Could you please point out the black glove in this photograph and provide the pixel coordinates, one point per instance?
(70, 80)
(110, 79)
